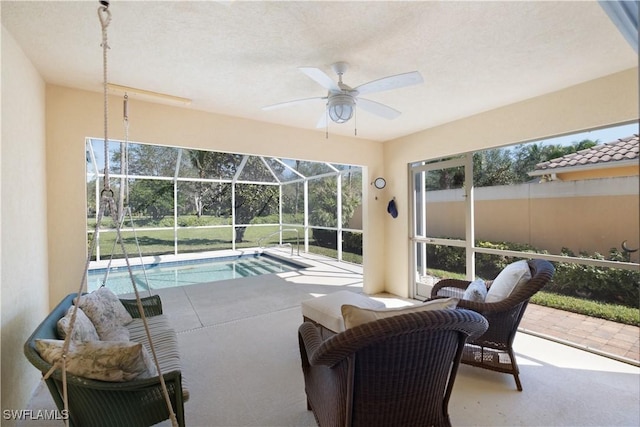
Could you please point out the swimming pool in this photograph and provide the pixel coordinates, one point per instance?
(183, 273)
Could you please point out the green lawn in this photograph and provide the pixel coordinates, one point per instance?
(613, 312)
(209, 239)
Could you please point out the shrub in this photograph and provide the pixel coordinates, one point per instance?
(489, 266)
(609, 285)
(352, 243)
(598, 283)
(453, 259)
(447, 258)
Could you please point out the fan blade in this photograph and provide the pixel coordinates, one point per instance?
(391, 82)
(294, 102)
(378, 109)
(320, 77)
(322, 123)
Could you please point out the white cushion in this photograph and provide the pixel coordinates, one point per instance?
(355, 316)
(326, 310)
(513, 275)
(476, 291)
(101, 360)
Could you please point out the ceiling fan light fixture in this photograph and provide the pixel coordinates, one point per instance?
(341, 108)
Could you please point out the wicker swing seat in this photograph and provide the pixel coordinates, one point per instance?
(138, 402)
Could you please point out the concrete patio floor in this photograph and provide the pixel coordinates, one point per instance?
(240, 357)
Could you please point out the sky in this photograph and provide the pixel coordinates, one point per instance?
(602, 136)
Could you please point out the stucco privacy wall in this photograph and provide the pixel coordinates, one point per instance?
(72, 115)
(548, 216)
(24, 290)
(598, 103)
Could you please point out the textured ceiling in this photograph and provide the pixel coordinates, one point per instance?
(235, 57)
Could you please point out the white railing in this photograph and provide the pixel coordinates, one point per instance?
(260, 240)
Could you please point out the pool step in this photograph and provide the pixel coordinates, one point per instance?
(249, 268)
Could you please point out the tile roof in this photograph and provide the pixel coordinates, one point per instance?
(620, 150)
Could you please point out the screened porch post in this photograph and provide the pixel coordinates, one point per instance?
(280, 211)
(306, 215)
(234, 180)
(175, 202)
(470, 231)
(233, 215)
(339, 214)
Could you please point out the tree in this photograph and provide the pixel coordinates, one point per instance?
(323, 205)
(493, 167)
(527, 156)
(502, 166)
(151, 197)
(148, 197)
(251, 200)
(210, 164)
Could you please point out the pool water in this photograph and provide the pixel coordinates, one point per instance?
(184, 273)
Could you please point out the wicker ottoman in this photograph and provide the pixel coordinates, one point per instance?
(326, 311)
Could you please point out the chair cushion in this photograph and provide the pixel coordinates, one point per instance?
(83, 329)
(512, 276)
(355, 316)
(325, 310)
(476, 291)
(101, 360)
(107, 314)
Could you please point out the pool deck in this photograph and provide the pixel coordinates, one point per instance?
(239, 337)
(610, 339)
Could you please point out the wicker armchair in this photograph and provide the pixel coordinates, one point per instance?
(494, 349)
(393, 371)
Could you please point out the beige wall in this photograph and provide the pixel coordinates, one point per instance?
(598, 103)
(580, 221)
(73, 115)
(600, 173)
(23, 251)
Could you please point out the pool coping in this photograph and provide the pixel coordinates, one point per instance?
(150, 261)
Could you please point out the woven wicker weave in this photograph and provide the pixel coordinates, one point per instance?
(397, 371)
(494, 349)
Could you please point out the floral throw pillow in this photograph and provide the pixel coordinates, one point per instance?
(83, 329)
(107, 314)
(101, 360)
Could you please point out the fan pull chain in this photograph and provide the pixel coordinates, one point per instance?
(326, 112)
(355, 121)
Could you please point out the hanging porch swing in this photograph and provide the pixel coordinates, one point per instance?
(109, 361)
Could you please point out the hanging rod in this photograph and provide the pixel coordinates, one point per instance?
(147, 94)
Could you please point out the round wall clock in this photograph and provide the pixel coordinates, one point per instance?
(380, 183)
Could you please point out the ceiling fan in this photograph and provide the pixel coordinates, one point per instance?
(342, 99)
